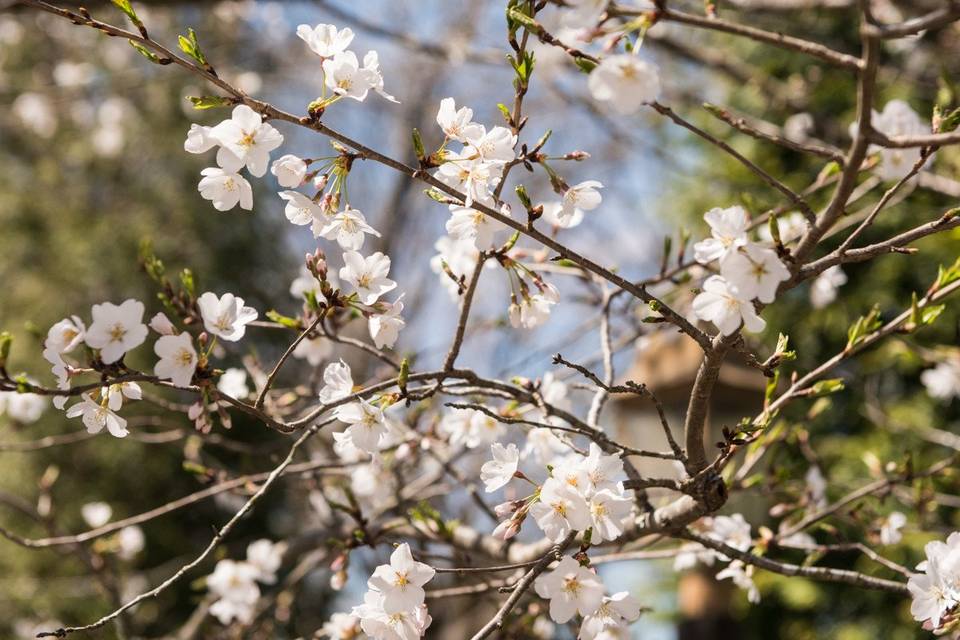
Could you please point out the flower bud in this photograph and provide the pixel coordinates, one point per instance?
(162, 325)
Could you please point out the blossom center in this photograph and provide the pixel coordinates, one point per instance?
(117, 332)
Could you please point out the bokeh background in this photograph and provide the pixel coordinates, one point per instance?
(92, 161)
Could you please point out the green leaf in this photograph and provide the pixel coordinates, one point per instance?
(946, 275)
(949, 122)
(6, 340)
(418, 145)
(584, 64)
(209, 102)
(286, 321)
(517, 16)
(127, 8)
(827, 387)
(863, 327)
(505, 111)
(190, 46)
(930, 314)
(187, 280)
(146, 53)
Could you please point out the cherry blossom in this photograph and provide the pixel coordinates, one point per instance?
(115, 393)
(609, 511)
(890, 529)
(754, 272)
(342, 626)
(625, 82)
(571, 589)
(234, 584)
(246, 140)
(466, 223)
(898, 119)
(226, 316)
(457, 124)
(290, 170)
(337, 382)
(96, 514)
(721, 306)
(25, 408)
(581, 197)
(348, 228)
(400, 583)
(367, 424)
(385, 327)
(233, 382)
(943, 381)
(728, 228)
(368, 276)
(377, 623)
(498, 472)
(225, 189)
(325, 40)
(560, 510)
(178, 359)
(116, 329)
(266, 557)
(313, 350)
(612, 613)
(300, 209)
(96, 416)
(823, 290)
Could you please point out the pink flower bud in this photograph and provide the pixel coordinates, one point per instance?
(162, 325)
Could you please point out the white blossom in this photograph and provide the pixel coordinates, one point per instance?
(342, 626)
(337, 382)
(313, 350)
(225, 189)
(467, 223)
(378, 624)
(25, 408)
(348, 228)
(233, 382)
(245, 140)
(891, 526)
(457, 124)
(493, 146)
(943, 381)
(400, 583)
(178, 359)
(265, 557)
(898, 119)
(368, 276)
(728, 230)
(385, 326)
(581, 197)
(719, 305)
(325, 40)
(754, 272)
(234, 584)
(625, 82)
(115, 393)
(823, 290)
(367, 424)
(116, 329)
(96, 416)
(290, 170)
(609, 511)
(96, 514)
(571, 589)
(612, 613)
(561, 509)
(498, 472)
(226, 316)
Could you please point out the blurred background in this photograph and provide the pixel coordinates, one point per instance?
(91, 146)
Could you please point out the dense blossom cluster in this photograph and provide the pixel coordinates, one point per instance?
(748, 271)
(234, 583)
(570, 489)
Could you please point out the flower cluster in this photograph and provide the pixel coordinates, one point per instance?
(734, 531)
(943, 380)
(582, 493)
(896, 119)
(234, 583)
(393, 607)
(117, 329)
(748, 271)
(575, 589)
(342, 73)
(244, 140)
